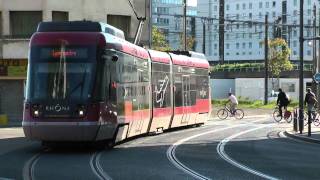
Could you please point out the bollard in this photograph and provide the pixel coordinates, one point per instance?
(301, 118)
(295, 120)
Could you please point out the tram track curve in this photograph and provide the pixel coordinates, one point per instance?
(171, 155)
(97, 168)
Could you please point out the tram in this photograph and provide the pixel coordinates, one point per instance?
(86, 83)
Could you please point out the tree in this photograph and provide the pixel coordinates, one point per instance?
(279, 53)
(190, 42)
(159, 41)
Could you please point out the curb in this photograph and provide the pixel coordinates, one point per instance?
(307, 139)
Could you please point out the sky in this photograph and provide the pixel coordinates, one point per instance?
(192, 2)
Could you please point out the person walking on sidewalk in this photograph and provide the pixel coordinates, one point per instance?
(233, 103)
(310, 100)
(282, 101)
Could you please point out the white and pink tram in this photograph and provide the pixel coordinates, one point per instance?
(85, 83)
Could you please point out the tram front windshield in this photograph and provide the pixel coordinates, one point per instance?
(61, 73)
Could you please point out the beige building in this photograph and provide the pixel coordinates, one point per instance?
(19, 19)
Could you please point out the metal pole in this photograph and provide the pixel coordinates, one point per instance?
(221, 31)
(301, 83)
(185, 24)
(318, 86)
(150, 24)
(204, 36)
(266, 52)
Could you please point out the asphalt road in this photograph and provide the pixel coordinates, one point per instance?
(252, 148)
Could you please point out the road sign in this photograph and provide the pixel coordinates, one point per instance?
(316, 77)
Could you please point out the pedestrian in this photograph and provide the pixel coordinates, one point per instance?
(282, 101)
(233, 103)
(310, 100)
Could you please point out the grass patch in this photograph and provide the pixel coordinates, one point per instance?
(244, 103)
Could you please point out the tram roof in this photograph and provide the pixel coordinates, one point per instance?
(189, 61)
(159, 56)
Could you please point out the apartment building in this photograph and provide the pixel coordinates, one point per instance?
(19, 19)
(167, 17)
(243, 41)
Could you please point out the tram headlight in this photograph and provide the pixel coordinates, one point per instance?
(81, 113)
(35, 110)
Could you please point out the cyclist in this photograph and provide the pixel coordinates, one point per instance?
(282, 101)
(310, 100)
(233, 103)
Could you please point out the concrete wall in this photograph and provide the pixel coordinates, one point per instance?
(221, 87)
(250, 88)
(95, 10)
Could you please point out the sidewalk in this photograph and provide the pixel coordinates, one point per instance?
(314, 138)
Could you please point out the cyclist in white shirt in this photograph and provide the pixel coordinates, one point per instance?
(233, 102)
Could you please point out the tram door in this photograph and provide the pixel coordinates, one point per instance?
(138, 103)
(186, 101)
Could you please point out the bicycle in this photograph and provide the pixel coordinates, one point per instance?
(314, 118)
(224, 113)
(287, 115)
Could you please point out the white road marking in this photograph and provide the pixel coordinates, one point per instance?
(175, 161)
(223, 155)
(96, 167)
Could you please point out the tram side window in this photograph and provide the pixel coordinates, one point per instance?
(109, 81)
(202, 84)
(178, 87)
(161, 85)
(193, 89)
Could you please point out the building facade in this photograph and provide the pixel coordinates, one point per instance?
(19, 19)
(167, 17)
(244, 29)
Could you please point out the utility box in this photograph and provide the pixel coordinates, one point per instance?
(3, 119)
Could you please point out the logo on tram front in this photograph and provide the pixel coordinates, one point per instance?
(57, 108)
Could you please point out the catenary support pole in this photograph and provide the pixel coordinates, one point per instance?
(266, 52)
(301, 80)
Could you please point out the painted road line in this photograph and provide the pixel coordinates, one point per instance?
(96, 167)
(223, 155)
(171, 155)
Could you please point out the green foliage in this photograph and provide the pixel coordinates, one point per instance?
(279, 53)
(236, 66)
(159, 41)
(245, 103)
(190, 42)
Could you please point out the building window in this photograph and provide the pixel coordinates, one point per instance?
(250, 5)
(309, 12)
(215, 46)
(250, 15)
(273, 14)
(295, 33)
(250, 53)
(250, 35)
(267, 4)
(243, 6)
(295, 2)
(227, 46)
(60, 16)
(295, 12)
(237, 6)
(227, 7)
(243, 45)
(215, 8)
(260, 45)
(162, 10)
(260, 5)
(295, 53)
(309, 53)
(24, 23)
(294, 43)
(273, 4)
(237, 45)
(121, 22)
(250, 45)
(288, 87)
